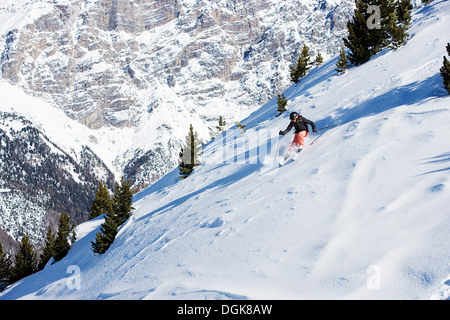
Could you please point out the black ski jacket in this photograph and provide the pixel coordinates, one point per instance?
(299, 125)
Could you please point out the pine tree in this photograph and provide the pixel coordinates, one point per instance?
(121, 211)
(397, 32)
(5, 266)
(367, 36)
(189, 154)
(404, 8)
(62, 244)
(302, 67)
(49, 249)
(389, 18)
(319, 60)
(25, 260)
(342, 62)
(399, 23)
(122, 200)
(221, 125)
(358, 35)
(242, 127)
(107, 234)
(282, 103)
(445, 70)
(102, 202)
(293, 74)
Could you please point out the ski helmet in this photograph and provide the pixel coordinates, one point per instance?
(293, 115)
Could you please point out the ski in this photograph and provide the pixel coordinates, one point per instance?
(290, 158)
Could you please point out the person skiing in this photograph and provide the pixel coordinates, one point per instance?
(301, 131)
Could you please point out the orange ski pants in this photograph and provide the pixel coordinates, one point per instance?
(299, 139)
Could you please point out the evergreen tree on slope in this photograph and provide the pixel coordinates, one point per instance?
(189, 154)
(319, 60)
(404, 8)
(341, 64)
(107, 234)
(358, 35)
(114, 218)
(5, 266)
(302, 67)
(222, 124)
(122, 200)
(399, 23)
(282, 103)
(369, 30)
(25, 260)
(102, 202)
(49, 249)
(62, 244)
(445, 70)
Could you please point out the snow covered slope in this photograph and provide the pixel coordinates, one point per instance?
(363, 213)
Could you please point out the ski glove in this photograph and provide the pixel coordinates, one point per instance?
(280, 133)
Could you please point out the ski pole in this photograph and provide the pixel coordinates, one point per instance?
(332, 126)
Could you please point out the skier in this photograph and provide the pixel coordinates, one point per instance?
(301, 131)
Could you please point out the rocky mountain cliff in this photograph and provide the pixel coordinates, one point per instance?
(153, 67)
(104, 62)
